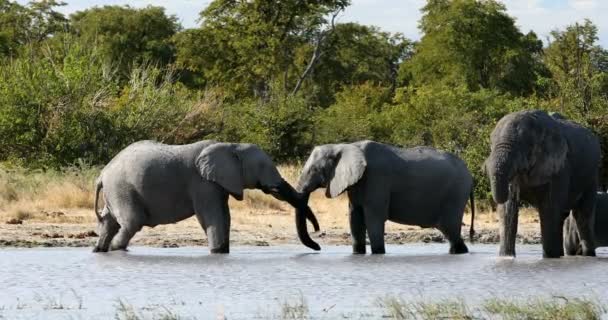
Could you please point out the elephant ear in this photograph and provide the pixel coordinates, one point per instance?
(348, 170)
(548, 156)
(219, 163)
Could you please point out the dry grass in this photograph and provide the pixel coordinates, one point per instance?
(46, 195)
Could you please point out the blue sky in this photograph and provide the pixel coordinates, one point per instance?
(542, 16)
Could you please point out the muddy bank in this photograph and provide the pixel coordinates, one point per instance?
(44, 234)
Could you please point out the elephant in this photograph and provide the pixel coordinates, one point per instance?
(551, 163)
(418, 186)
(572, 244)
(149, 183)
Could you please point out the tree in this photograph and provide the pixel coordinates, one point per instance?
(34, 23)
(249, 45)
(356, 54)
(475, 43)
(579, 67)
(128, 36)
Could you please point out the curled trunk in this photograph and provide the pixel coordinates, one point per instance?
(302, 212)
(286, 193)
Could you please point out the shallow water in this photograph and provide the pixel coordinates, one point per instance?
(68, 283)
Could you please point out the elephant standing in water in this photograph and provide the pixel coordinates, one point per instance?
(150, 183)
(572, 240)
(419, 186)
(551, 163)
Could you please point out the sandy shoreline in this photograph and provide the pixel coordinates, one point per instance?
(262, 226)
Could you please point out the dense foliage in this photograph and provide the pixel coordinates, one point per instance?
(284, 75)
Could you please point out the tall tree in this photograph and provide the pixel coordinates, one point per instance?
(476, 43)
(579, 66)
(33, 23)
(250, 45)
(128, 35)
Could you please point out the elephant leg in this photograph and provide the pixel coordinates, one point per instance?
(551, 229)
(357, 228)
(108, 227)
(452, 233)
(214, 216)
(375, 217)
(124, 236)
(508, 213)
(131, 217)
(571, 238)
(585, 224)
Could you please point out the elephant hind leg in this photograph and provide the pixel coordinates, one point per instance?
(131, 219)
(124, 236)
(571, 238)
(452, 233)
(584, 216)
(108, 227)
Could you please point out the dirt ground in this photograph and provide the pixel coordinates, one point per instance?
(258, 220)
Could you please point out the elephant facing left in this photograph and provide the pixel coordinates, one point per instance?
(149, 183)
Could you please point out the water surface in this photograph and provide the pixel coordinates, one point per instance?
(73, 283)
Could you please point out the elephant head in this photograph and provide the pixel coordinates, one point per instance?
(236, 167)
(526, 147)
(334, 167)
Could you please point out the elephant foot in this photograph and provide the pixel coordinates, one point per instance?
(220, 250)
(507, 254)
(588, 252)
(98, 249)
(459, 248)
(359, 249)
(378, 251)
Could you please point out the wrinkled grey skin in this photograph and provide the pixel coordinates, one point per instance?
(418, 186)
(572, 240)
(551, 163)
(150, 183)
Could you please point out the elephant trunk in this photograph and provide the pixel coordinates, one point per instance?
(285, 192)
(301, 213)
(499, 171)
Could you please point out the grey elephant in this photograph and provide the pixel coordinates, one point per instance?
(150, 183)
(572, 242)
(551, 163)
(418, 186)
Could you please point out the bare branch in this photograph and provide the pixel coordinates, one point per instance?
(317, 53)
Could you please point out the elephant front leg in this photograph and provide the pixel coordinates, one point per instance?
(508, 213)
(214, 217)
(585, 218)
(375, 217)
(357, 228)
(551, 230)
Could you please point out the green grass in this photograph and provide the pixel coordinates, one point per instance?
(556, 308)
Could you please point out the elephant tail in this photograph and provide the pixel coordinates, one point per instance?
(98, 187)
(472, 228)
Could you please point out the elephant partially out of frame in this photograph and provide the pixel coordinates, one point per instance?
(572, 240)
(150, 183)
(418, 186)
(551, 163)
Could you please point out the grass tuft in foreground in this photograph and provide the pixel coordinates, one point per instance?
(552, 309)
